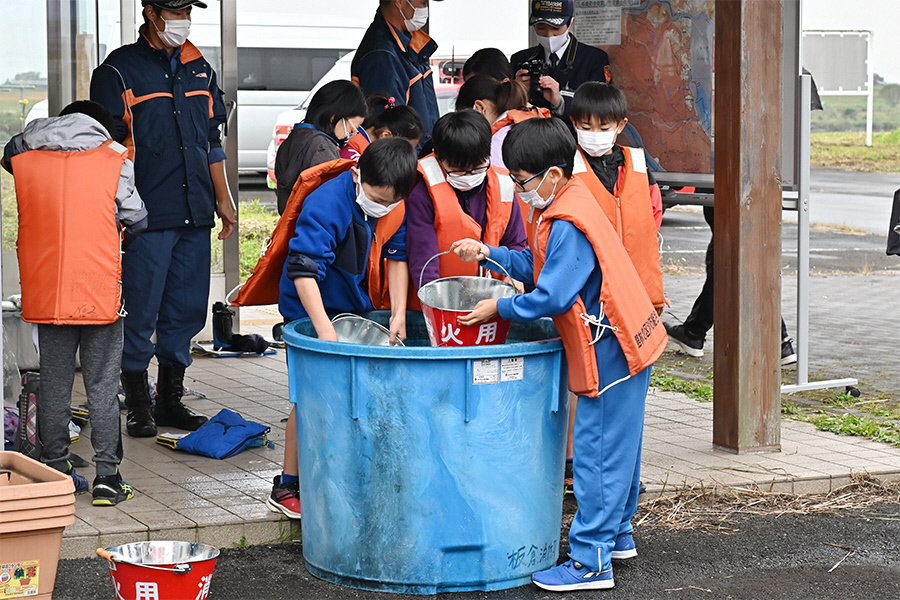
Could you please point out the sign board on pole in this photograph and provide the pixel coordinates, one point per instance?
(839, 63)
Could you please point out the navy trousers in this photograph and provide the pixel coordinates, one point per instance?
(165, 280)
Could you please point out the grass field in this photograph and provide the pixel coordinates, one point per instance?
(848, 113)
(848, 151)
(11, 110)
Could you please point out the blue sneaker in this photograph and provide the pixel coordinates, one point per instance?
(624, 547)
(572, 576)
(81, 483)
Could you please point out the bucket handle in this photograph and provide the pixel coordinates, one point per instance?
(422, 274)
(180, 569)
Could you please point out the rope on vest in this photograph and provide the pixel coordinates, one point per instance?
(598, 323)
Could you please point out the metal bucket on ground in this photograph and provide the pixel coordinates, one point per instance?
(445, 300)
(161, 570)
(353, 329)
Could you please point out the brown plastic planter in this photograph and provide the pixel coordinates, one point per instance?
(36, 504)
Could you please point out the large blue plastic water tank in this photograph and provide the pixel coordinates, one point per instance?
(425, 470)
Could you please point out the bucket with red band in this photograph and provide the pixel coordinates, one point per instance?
(161, 570)
(445, 300)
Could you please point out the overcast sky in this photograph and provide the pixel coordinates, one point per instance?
(22, 26)
(882, 17)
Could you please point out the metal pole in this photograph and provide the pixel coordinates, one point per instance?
(803, 233)
(127, 18)
(803, 177)
(60, 59)
(870, 97)
(229, 78)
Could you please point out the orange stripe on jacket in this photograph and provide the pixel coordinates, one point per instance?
(203, 93)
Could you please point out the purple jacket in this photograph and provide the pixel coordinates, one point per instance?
(421, 238)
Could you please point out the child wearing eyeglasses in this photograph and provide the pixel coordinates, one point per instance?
(460, 195)
(611, 333)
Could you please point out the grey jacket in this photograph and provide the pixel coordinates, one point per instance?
(77, 132)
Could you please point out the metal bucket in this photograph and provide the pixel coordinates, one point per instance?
(161, 570)
(445, 300)
(353, 329)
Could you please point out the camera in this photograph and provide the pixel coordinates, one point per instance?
(537, 68)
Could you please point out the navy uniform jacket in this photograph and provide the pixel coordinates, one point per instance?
(580, 63)
(397, 63)
(168, 117)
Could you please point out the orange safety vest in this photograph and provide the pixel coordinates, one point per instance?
(631, 214)
(451, 223)
(637, 327)
(512, 117)
(69, 243)
(376, 276)
(359, 142)
(262, 286)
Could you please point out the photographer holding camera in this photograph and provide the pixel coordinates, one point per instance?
(554, 69)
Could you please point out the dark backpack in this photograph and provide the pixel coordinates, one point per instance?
(28, 437)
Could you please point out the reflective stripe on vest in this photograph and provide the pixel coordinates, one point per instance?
(69, 245)
(451, 223)
(630, 212)
(622, 296)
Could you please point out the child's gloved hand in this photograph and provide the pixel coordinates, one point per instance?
(470, 250)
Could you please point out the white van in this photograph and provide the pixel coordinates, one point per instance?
(283, 50)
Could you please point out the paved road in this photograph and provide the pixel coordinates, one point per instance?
(853, 290)
(832, 250)
(858, 200)
(786, 557)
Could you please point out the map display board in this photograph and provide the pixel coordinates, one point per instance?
(661, 57)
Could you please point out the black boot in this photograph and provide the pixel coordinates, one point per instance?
(139, 421)
(169, 410)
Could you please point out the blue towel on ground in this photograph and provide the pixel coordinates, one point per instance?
(226, 434)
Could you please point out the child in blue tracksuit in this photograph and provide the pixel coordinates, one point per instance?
(326, 268)
(585, 281)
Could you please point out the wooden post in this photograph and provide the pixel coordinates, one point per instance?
(747, 359)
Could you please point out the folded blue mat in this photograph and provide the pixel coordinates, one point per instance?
(224, 435)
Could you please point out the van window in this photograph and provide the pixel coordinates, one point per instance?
(280, 69)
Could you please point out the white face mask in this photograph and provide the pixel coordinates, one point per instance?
(176, 32)
(464, 183)
(370, 207)
(534, 199)
(419, 18)
(596, 143)
(349, 134)
(554, 43)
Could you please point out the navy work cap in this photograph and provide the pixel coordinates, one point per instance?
(555, 13)
(173, 4)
